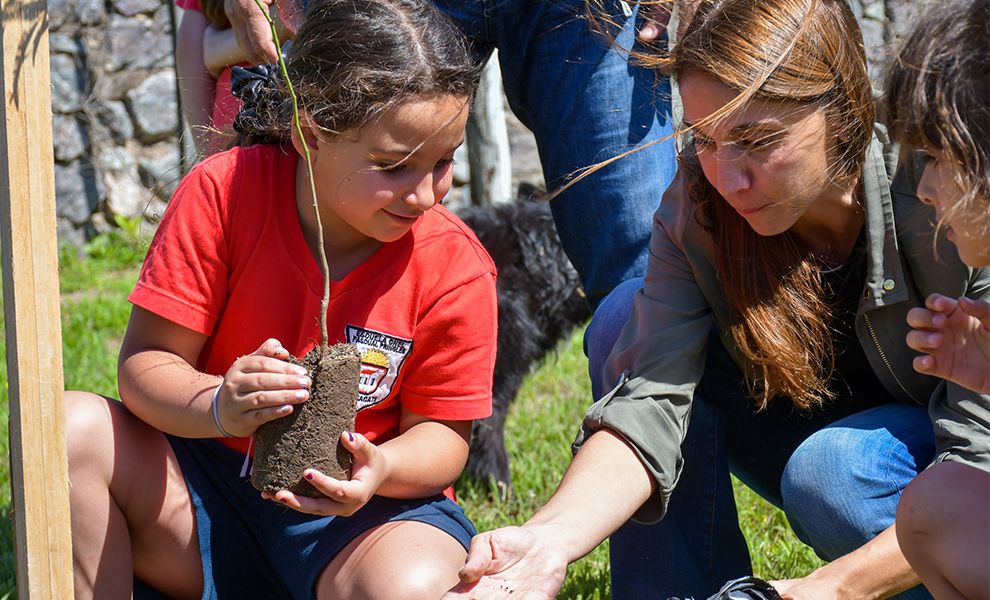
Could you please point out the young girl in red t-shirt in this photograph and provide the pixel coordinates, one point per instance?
(230, 288)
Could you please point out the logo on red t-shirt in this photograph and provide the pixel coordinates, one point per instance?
(382, 356)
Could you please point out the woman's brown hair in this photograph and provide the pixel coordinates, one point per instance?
(805, 52)
(938, 96)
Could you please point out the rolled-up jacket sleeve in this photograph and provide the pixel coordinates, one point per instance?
(659, 357)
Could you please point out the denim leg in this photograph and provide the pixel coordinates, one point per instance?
(471, 17)
(869, 459)
(698, 546)
(604, 329)
(585, 103)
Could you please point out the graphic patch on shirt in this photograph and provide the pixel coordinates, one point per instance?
(382, 356)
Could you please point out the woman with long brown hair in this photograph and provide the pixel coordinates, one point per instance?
(766, 339)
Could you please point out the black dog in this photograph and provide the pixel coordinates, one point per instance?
(540, 303)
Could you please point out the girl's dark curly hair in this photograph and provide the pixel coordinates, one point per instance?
(352, 61)
(938, 96)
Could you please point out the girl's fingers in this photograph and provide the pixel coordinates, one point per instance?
(329, 486)
(920, 318)
(976, 308)
(267, 381)
(266, 364)
(347, 492)
(940, 303)
(269, 413)
(313, 506)
(271, 347)
(924, 341)
(358, 446)
(478, 560)
(924, 364)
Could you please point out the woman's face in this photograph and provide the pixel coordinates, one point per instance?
(967, 229)
(770, 160)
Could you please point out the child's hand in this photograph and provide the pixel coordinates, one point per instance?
(954, 336)
(343, 498)
(260, 387)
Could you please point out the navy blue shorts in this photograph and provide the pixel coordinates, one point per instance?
(256, 548)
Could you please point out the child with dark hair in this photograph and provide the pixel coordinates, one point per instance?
(938, 101)
(230, 288)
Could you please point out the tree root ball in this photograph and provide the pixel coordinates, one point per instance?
(310, 436)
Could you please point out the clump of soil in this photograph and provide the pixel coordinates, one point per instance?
(310, 436)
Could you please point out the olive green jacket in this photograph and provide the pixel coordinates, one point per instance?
(659, 358)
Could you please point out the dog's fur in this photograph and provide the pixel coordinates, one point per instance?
(540, 303)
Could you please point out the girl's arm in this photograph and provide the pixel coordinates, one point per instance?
(426, 458)
(160, 386)
(220, 50)
(196, 84)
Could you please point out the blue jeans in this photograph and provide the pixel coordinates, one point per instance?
(837, 474)
(584, 103)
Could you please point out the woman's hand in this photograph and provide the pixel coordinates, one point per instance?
(954, 336)
(807, 588)
(512, 562)
(343, 498)
(259, 388)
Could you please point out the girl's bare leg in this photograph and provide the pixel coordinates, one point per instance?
(943, 528)
(403, 560)
(131, 513)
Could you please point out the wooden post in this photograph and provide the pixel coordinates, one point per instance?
(39, 469)
(488, 141)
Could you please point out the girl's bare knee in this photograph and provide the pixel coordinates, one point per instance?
(87, 418)
(399, 561)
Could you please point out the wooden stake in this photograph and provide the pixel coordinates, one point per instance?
(39, 471)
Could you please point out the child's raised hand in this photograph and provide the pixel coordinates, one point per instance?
(343, 498)
(260, 387)
(954, 336)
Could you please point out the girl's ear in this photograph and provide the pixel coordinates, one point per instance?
(308, 134)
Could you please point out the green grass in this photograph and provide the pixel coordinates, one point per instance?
(539, 430)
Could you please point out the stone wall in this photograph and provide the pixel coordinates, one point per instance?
(115, 112)
(882, 21)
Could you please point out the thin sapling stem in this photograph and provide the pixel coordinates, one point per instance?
(296, 122)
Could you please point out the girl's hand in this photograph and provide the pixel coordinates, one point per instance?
(954, 336)
(343, 498)
(259, 388)
(512, 563)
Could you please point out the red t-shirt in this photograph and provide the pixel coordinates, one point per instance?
(225, 104)
(229, 260)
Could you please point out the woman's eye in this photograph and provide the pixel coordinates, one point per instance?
(759, 143)
(391, 168)
(701, 142)
(443, 164)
